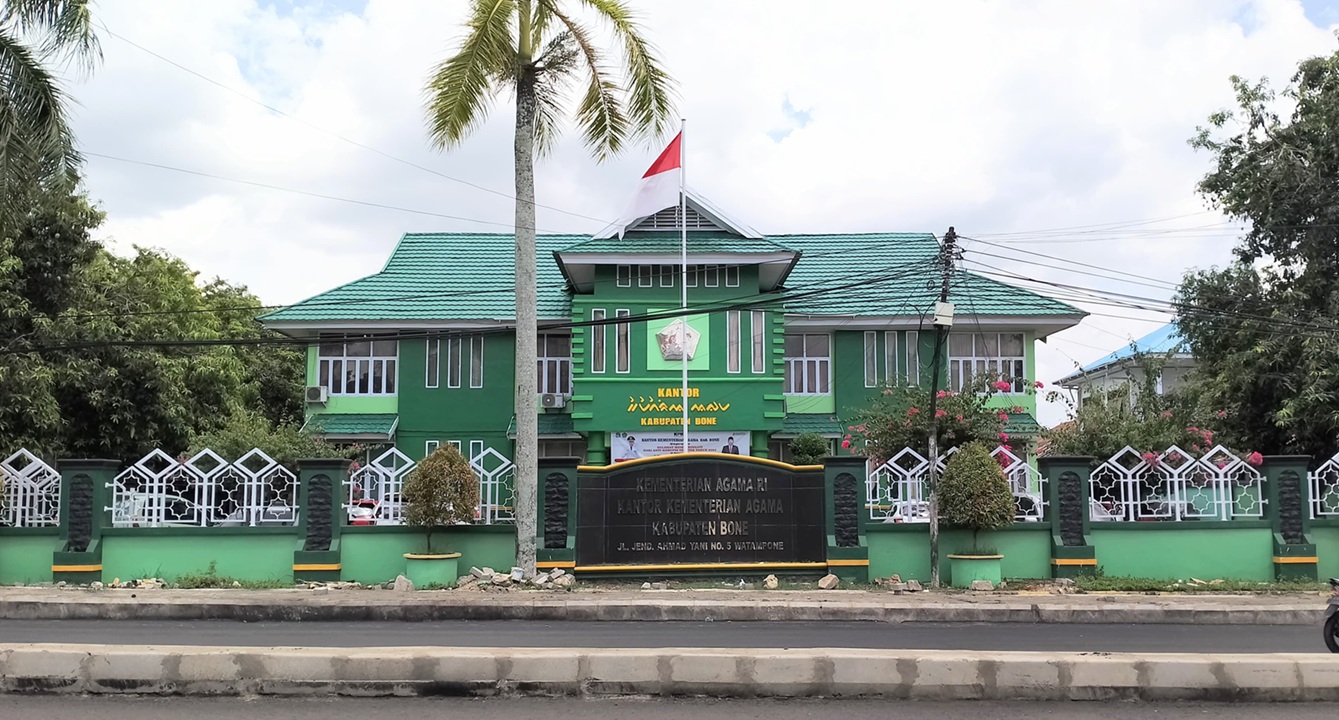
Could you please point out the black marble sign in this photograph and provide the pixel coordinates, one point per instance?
(700, 511)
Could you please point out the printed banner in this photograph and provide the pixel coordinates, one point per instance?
(629, 446)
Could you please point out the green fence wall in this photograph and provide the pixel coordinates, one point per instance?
(169, 553)
(1326, 537)
(376, 554)
(25, 555)
(905, 550)
(1182, 551)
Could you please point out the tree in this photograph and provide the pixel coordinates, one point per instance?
(809, 449)
(974, 494)
(442, 490)
(536, 49)
(36, 142)
(1263, 329)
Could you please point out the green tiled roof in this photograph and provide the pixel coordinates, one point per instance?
(549, 424)
(469, 276)
(1022, 424)
(350, 424)
(669, 242)
(799, 424)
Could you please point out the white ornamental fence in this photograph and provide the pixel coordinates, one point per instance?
(205, 491)
(375, 489)
(897, 491)
(31, 495)
(1175, 486)
(1324, 494)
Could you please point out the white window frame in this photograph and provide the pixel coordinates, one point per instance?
(476, 361)
(890, 355)
(732, 276)
(913, 342)
(430, 447)
(712, 276)
(733, 345)
(544, 360)
(758, 327)
(599, 336)
(388, 364)
(821, 364)
(623, 275)
(455, 366)
(646, 276)
(622, 343)
(455, 444)
(961, 368)
(692, 276)
(476, 449)
(432, 371)
(871, 359)
(546, 448)
(667, 273)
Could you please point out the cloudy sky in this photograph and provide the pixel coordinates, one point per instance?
(1008, 120)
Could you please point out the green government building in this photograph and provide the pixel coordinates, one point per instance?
(790, 334)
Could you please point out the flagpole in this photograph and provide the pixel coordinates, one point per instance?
(683, 279)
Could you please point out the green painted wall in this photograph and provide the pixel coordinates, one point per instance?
(1027, 551)
(1184, 552)
(374, 555)
(351, 404)
(1327, 549)
(462, 414)
(26, 558)
(168, 554)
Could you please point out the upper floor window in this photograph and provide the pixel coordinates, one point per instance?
(554, 363)
(465, 356)
(358, 366)
(808, 364)
(972, 354)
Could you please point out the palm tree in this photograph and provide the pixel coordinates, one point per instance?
(537, 49)
(36, 143)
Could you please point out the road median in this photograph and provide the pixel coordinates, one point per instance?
(911, 674)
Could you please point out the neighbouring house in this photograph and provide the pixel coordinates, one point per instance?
(1121, 371)
(789, 334)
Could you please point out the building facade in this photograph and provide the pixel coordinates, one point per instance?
(787, 334)
(1121, 373)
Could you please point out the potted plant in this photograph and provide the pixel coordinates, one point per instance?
(809, 449)
(974, 495)
(440, 491)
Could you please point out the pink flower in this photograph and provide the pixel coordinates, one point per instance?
(941, 394)
(850, 427)
(1003, 416)
(940, 413)
(846, 444)
(1151, 458)
(1192, 429)
(1195, 447)
(1017, 409)
(355, 466)
(914, 411)
(1255, 458)
(1002, 385)
(1039, 385)
(847, 438)
(1208, 436)
(1222, 413)
(959, 417)
(1167, 413)
(1004, 437)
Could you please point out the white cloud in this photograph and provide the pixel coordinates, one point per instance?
(993, 117)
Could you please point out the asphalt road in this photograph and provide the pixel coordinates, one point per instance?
(918, 636)
(123, 708)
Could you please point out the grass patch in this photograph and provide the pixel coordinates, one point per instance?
(211, 580)
(1101, 583)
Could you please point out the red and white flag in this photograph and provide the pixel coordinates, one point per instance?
(660, 186)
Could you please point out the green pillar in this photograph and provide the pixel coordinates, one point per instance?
(1288, 508)
(758, 443)
(85, 511)
(844, 487)
(323, 489)
(557, 520)
(595, 449)
(1067, 497)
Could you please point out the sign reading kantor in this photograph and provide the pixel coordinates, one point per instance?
(700, 511)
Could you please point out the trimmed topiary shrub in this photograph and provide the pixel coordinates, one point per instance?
(974, 494)
(442, 490)
(809, 449)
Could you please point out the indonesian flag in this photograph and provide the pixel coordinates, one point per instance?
(659, 188)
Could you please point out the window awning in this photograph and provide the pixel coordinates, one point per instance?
(353, 426)
(551, 425)
(802, 423)
(1022, 424)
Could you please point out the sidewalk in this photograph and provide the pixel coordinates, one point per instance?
(331, 604)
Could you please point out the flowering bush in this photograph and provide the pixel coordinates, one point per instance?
(899, 418)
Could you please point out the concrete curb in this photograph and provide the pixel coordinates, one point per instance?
(548, 608)
(915, 674)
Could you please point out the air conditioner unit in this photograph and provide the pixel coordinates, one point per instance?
(317, 394)
(552, 400)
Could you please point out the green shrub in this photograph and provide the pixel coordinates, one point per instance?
(973, 492)
(809, 449)
(285, 444)
(442, 490)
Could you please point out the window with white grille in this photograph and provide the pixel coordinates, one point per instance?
(972, 354)
(554, 363)
(622, 343)
(598, 332)
(358, 366)
(668, 219)
(808, 364)
(871, 359)
(562, 449)
(758, 323)
(434, 362)
(732, 341)
(913, 357)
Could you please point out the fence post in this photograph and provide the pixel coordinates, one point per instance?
(557, 513)
(323, 489)
(1067, 489)
(844, 483)
(85, 500)
(1288, 507)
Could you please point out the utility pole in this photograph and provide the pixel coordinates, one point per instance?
(943, 320)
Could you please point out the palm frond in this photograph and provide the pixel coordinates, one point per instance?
(460, 90)
(65, 26)
(36, 141)
(554, 68)
(600, 114)
(650, 101)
